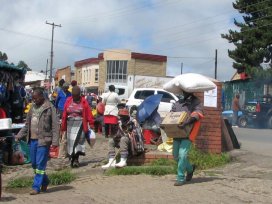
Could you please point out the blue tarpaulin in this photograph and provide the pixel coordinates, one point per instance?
(10, 67)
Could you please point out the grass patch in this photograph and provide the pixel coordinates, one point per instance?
(57, 178)
(207, 160)
(164, 166)
(136, 170)
(163, 162)
(22, 182)
(61, 177)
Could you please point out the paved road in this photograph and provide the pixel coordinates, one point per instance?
(246, 180)
(258, 141)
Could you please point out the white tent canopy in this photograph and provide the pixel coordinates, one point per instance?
(32, 76)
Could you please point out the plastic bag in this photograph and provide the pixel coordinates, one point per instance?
(21, 153)
(54, 152)
(91, 137)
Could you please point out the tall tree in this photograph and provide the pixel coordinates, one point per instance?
(22, 64)
(253, 40)
(3, 56)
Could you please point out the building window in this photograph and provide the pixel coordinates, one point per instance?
(116, 71)
(96, 75)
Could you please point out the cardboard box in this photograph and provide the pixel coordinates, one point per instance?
(171, 122)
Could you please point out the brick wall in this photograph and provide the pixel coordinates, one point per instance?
(149, 68)
(102, 76)
(64, 73)
(78, 75)
(209, 137)
(135, 66)
(149, 157)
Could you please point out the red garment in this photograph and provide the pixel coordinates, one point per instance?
(3, 113)
(196, 127)
(148, 136)
(100, 108)
(87, 116)
(110, 119)
(74, 110)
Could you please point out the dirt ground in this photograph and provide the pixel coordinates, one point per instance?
(246, 180)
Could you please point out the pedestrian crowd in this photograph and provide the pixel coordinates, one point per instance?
(67, 119)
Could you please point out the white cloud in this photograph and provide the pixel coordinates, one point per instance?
(175, 28)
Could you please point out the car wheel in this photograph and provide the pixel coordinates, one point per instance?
(269, 123)
(242, 122)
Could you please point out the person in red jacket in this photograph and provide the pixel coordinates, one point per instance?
(76, 120)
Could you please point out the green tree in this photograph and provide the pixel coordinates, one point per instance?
(22, 64)
(3, 56)
(253, 40)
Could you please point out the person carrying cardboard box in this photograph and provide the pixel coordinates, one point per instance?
(181, 146)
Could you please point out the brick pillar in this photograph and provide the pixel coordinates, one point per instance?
(209, 137)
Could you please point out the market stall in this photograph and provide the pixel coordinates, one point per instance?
(12, 94)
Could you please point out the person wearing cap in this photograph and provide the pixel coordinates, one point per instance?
(119, 140)
(63, 94)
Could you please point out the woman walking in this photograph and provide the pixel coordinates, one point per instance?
(111, 101)
(76, 118)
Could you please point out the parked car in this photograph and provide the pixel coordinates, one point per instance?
(228, 114)
(139, 94)
(259, 113)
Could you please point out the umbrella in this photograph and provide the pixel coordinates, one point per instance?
(147, 107)
(189, 82)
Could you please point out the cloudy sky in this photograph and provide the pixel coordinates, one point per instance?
(186, 31)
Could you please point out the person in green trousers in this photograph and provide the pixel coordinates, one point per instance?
(181, 146)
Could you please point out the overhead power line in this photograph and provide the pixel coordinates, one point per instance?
(118, 13)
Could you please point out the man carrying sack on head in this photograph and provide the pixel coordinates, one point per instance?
(181, 146)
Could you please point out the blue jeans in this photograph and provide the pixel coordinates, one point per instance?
(181, 148)
(235, 118)
(39, 157)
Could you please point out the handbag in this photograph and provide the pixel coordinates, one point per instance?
(53, 151)
(63, 147)
(136, 142)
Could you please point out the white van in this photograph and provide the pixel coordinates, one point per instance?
(138, 95)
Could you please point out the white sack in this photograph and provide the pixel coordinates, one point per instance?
(189, 82)
(171, 87)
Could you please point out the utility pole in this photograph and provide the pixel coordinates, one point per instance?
(215, 65)
(51, 53)
(46, 69)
